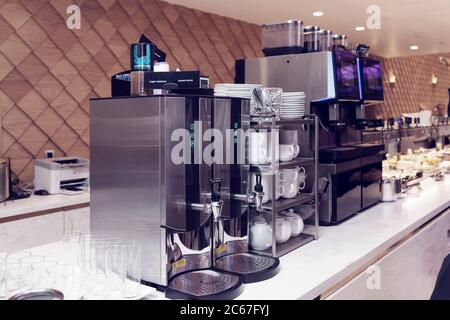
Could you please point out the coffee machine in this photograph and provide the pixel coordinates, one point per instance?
(156, 178)
(150, 185)
(332, 82)
(239, 198)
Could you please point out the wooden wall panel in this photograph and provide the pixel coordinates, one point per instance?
(413, 90)
(48, 72)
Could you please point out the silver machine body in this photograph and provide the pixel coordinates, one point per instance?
(311, 73)
(138, 193)
(152, 182)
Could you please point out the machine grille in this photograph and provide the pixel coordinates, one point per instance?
(203, 283)
(244, 263)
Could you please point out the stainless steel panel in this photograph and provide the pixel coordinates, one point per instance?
(232, 120)
(295, 73)
(127, 190)
(140, 192)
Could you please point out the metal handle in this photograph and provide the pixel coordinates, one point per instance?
(258, 186)
(216, 188)
(216, 203)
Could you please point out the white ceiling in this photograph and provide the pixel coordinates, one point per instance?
(425, 23)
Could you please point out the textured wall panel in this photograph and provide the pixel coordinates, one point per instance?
(413, 90)
(48, 73)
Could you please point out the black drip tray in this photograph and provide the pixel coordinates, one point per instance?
(205, 285)
(252, 267)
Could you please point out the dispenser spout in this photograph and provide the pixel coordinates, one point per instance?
(258, 193)
(216, 201)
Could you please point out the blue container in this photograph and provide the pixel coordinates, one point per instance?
(141, 55)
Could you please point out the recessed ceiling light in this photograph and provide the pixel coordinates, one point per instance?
(360, 28)
(318, 14)
(414, 48)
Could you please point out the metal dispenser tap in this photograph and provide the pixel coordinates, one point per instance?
(216, 201)
(255, 198)
(257, 195)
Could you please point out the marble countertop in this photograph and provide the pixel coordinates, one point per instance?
(41, 203)
(342, 250)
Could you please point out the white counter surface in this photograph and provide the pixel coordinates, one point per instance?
(41, 203)
(343, 250)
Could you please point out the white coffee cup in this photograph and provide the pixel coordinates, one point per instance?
(288, 175)
(260, 146)
(288, 152)
(260, 236)
(290, 190)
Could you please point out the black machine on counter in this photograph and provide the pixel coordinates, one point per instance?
(337, 85)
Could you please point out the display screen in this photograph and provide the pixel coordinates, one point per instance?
(347, 76)
(372, 80)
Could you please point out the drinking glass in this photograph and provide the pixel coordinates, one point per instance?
(18, 255)
(17, 278)
(72, 248)
(115, 267)
(98, 255)
(44, 274)
(132, 263)
(29, 261)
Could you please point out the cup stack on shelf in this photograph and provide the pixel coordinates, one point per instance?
(92, 266)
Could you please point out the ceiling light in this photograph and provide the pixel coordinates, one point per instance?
(414, 48)
(318, 14)
(360, 28)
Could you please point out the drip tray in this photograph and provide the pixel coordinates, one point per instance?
(205, 285)
(252, 267)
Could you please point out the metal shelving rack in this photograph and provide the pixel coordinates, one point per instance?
(309, 124)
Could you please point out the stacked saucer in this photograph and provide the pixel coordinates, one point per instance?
(235, 90)
(292, 105)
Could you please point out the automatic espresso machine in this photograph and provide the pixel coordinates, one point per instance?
(337, 85)
(152, 182)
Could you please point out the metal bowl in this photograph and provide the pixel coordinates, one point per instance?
(45, 294)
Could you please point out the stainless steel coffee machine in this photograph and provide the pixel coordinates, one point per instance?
(232, 119)
(150, 185)
(156, 179)
(332, 82)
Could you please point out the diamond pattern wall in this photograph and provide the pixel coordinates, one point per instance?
(48, 73)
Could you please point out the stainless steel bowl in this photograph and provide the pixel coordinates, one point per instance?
(46, 294)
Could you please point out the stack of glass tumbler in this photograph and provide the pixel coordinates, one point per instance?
(90, 266)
